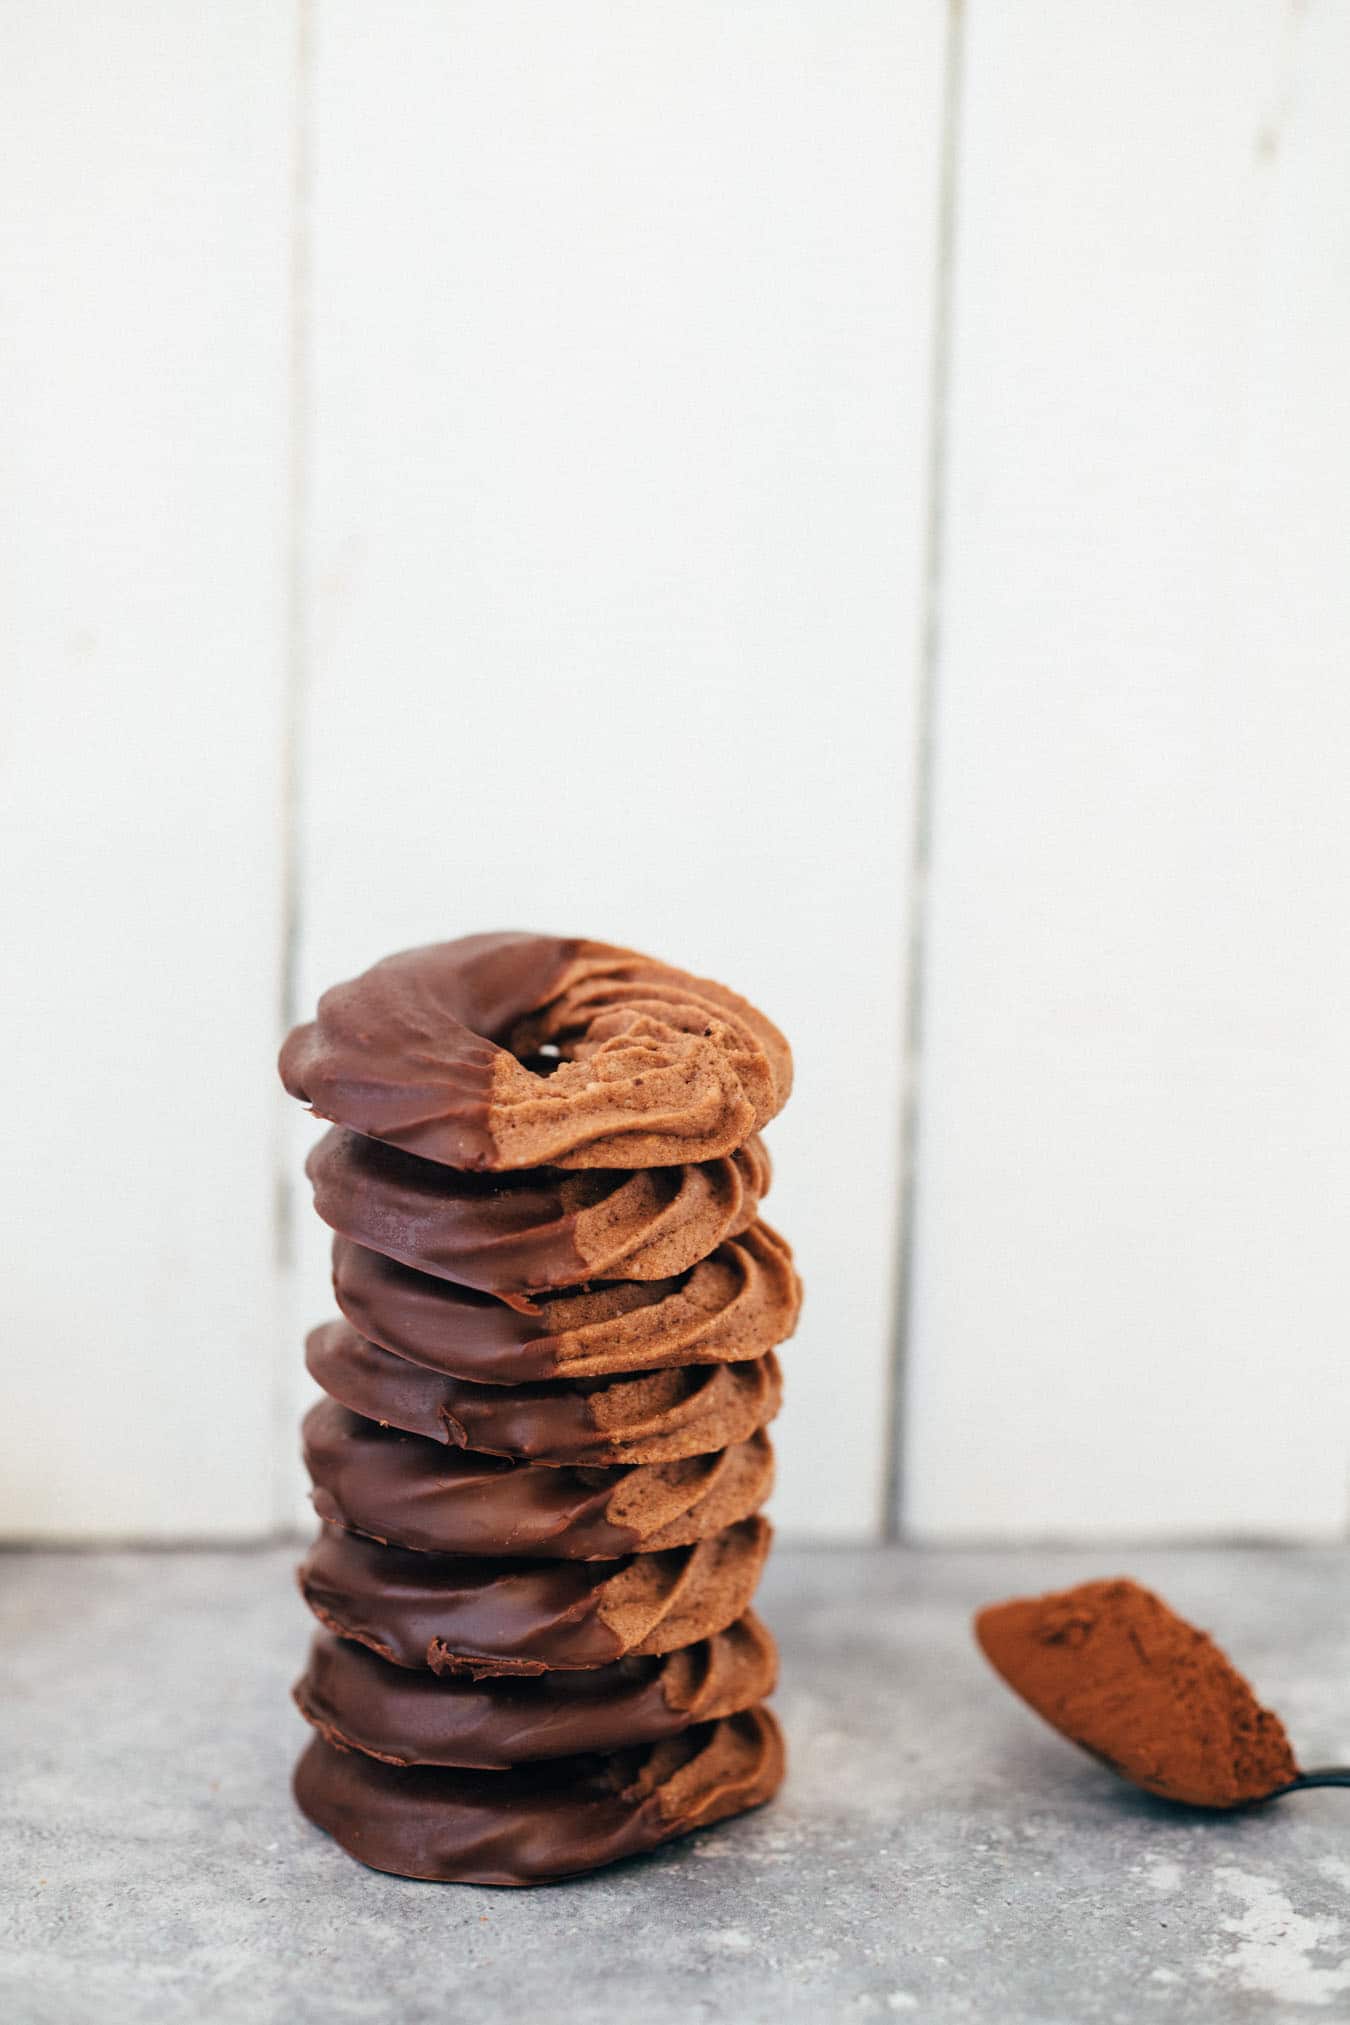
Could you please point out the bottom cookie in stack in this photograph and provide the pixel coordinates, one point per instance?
(540, 1821)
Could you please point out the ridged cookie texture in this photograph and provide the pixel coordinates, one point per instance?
(521, 1234)
(512, 1050)
(458, 1614)
(542, 1457)
(741, 1301)
(645, 1417)
(409, 1492)
(546, 1821)
(407, 1716)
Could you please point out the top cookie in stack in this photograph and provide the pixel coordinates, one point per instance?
(543, 1456)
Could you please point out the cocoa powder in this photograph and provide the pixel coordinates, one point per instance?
(1113, 1669)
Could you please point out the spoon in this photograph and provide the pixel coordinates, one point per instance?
(1117, 1672)
(1322, 1775)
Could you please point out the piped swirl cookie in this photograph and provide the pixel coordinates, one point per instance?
(408, 1716)
(650, 1417)
(546, 1821)
(514, 1050)
(408, 1492)
(457, 1614)
(521, 1234)
(736, 1304)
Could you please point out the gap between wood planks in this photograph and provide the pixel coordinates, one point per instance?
(929, 650)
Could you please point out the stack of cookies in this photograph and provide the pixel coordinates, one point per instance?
(542, 1455)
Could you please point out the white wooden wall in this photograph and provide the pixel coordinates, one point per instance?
(794, 484)
(1132, 1259)
(144, 246)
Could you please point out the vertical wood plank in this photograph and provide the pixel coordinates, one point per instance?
(621, 354)
(1131, 1268)
(144, 219)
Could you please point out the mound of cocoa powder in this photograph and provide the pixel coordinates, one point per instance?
(1112, 1668)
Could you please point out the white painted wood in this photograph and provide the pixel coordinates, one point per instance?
(619, 350)
(1132, 1281)
(144, 225)
(621, 329)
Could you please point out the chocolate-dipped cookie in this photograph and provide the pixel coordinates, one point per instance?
(429, 1050)
(545, 1821)
(738, 1303)
(456, 1614)
(409, 1716)
(651, 1416)
(409, 1492)
(521, 1234)
(543, 1453)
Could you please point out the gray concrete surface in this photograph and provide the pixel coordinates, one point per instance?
(938, 1855)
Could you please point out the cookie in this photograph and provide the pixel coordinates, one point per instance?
(512, 1050)
(457, 1614)
(738, 1303)
(408, 1492)
(409, 1716)
(522, 1234)
(544, 1821)
(651, 1416)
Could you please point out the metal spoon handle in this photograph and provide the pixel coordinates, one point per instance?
(1327, 1775)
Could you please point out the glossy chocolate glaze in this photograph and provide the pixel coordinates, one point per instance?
(521, 1234)
(428, 1050)
(548, 1393)
(358, 1701)
(655, 1416)
(457, 1614)
(545, 1821)
(401, 1489)
(736, 1304)
(407, 1051)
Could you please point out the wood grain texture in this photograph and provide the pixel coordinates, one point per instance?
(621, 335)
(1131, 1267)
(615, 363)
(144, 221)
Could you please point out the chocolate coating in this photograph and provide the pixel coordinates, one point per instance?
(456, 1614)
(428, 1050)
(520, 1234)
(654, 1416)
(357, 1701)
(737, 1304)
(547, 1821)
(408, 1492)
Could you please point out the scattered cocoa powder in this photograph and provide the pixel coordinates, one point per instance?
(1113, 1669)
